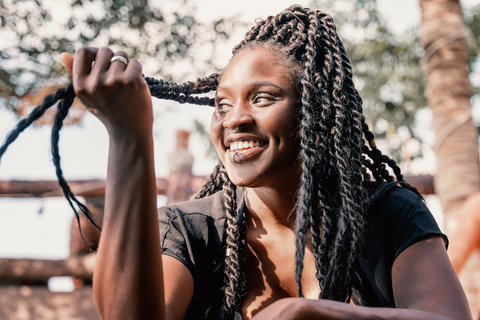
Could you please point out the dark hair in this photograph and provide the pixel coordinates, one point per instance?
(331, 197)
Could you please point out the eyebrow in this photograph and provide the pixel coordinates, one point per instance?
(258, 85)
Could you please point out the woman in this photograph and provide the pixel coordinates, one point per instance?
(305, 231)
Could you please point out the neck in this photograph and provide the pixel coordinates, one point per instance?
(272, 206)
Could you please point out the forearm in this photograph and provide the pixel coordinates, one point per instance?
(128, 281)
(305, 309)
(337, 310)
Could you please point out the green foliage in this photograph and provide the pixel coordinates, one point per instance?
(35, 32)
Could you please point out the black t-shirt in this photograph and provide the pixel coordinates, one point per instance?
(194, 233)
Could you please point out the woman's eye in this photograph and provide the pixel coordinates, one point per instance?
(223, 106)
(262, 99)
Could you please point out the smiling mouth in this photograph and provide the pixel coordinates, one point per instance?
(239, 151)
(244, 145)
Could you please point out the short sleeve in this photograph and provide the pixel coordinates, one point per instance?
(397, 218)
(407, 220)
(174, 238)
(193, 233)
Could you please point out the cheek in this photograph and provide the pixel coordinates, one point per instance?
(216, 134)
(286, 124)
(288, 129)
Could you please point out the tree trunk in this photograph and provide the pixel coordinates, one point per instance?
(448, 93)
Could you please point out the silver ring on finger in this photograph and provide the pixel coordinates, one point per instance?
(119, 58)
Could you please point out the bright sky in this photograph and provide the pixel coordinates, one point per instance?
(26, 233)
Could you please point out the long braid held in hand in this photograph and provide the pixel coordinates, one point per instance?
(36, 113)
(64, 99)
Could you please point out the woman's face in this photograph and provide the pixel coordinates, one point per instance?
(257, 95)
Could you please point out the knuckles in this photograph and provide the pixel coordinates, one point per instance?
(82, 51)
(134, 80)
(105, 50)
(80, 90)
(80, 87)
(118, 96)
(98, 86)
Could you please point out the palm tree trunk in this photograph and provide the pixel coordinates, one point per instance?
(448, 93)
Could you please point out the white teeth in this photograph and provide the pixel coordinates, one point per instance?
(244, 145)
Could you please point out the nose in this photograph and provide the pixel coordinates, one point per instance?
(239, 116)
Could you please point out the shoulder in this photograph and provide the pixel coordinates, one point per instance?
(403, 216)
(393, 204)
(192, 232)
(392, 199)
(195, 220)
(397, 218)
(208, 207)
(401, 198)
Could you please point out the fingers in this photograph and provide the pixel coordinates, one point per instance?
(133, 74)
(102, 61)
(67, 60)
(134, 68)
(104, 73)
(118, 65)
(105, 67)
(82, 63)
(113, 90)
(95, 63)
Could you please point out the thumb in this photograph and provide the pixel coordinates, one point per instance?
(67, 60)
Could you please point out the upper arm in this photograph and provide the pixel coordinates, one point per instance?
(178, 280)
(423, 279)
(178, 284)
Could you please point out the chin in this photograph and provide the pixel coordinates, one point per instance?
(251, 177)
(240, 179)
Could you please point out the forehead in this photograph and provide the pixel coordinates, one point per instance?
(252, 65)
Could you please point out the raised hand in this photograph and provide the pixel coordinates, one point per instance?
(128, 281)
(116, 93)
